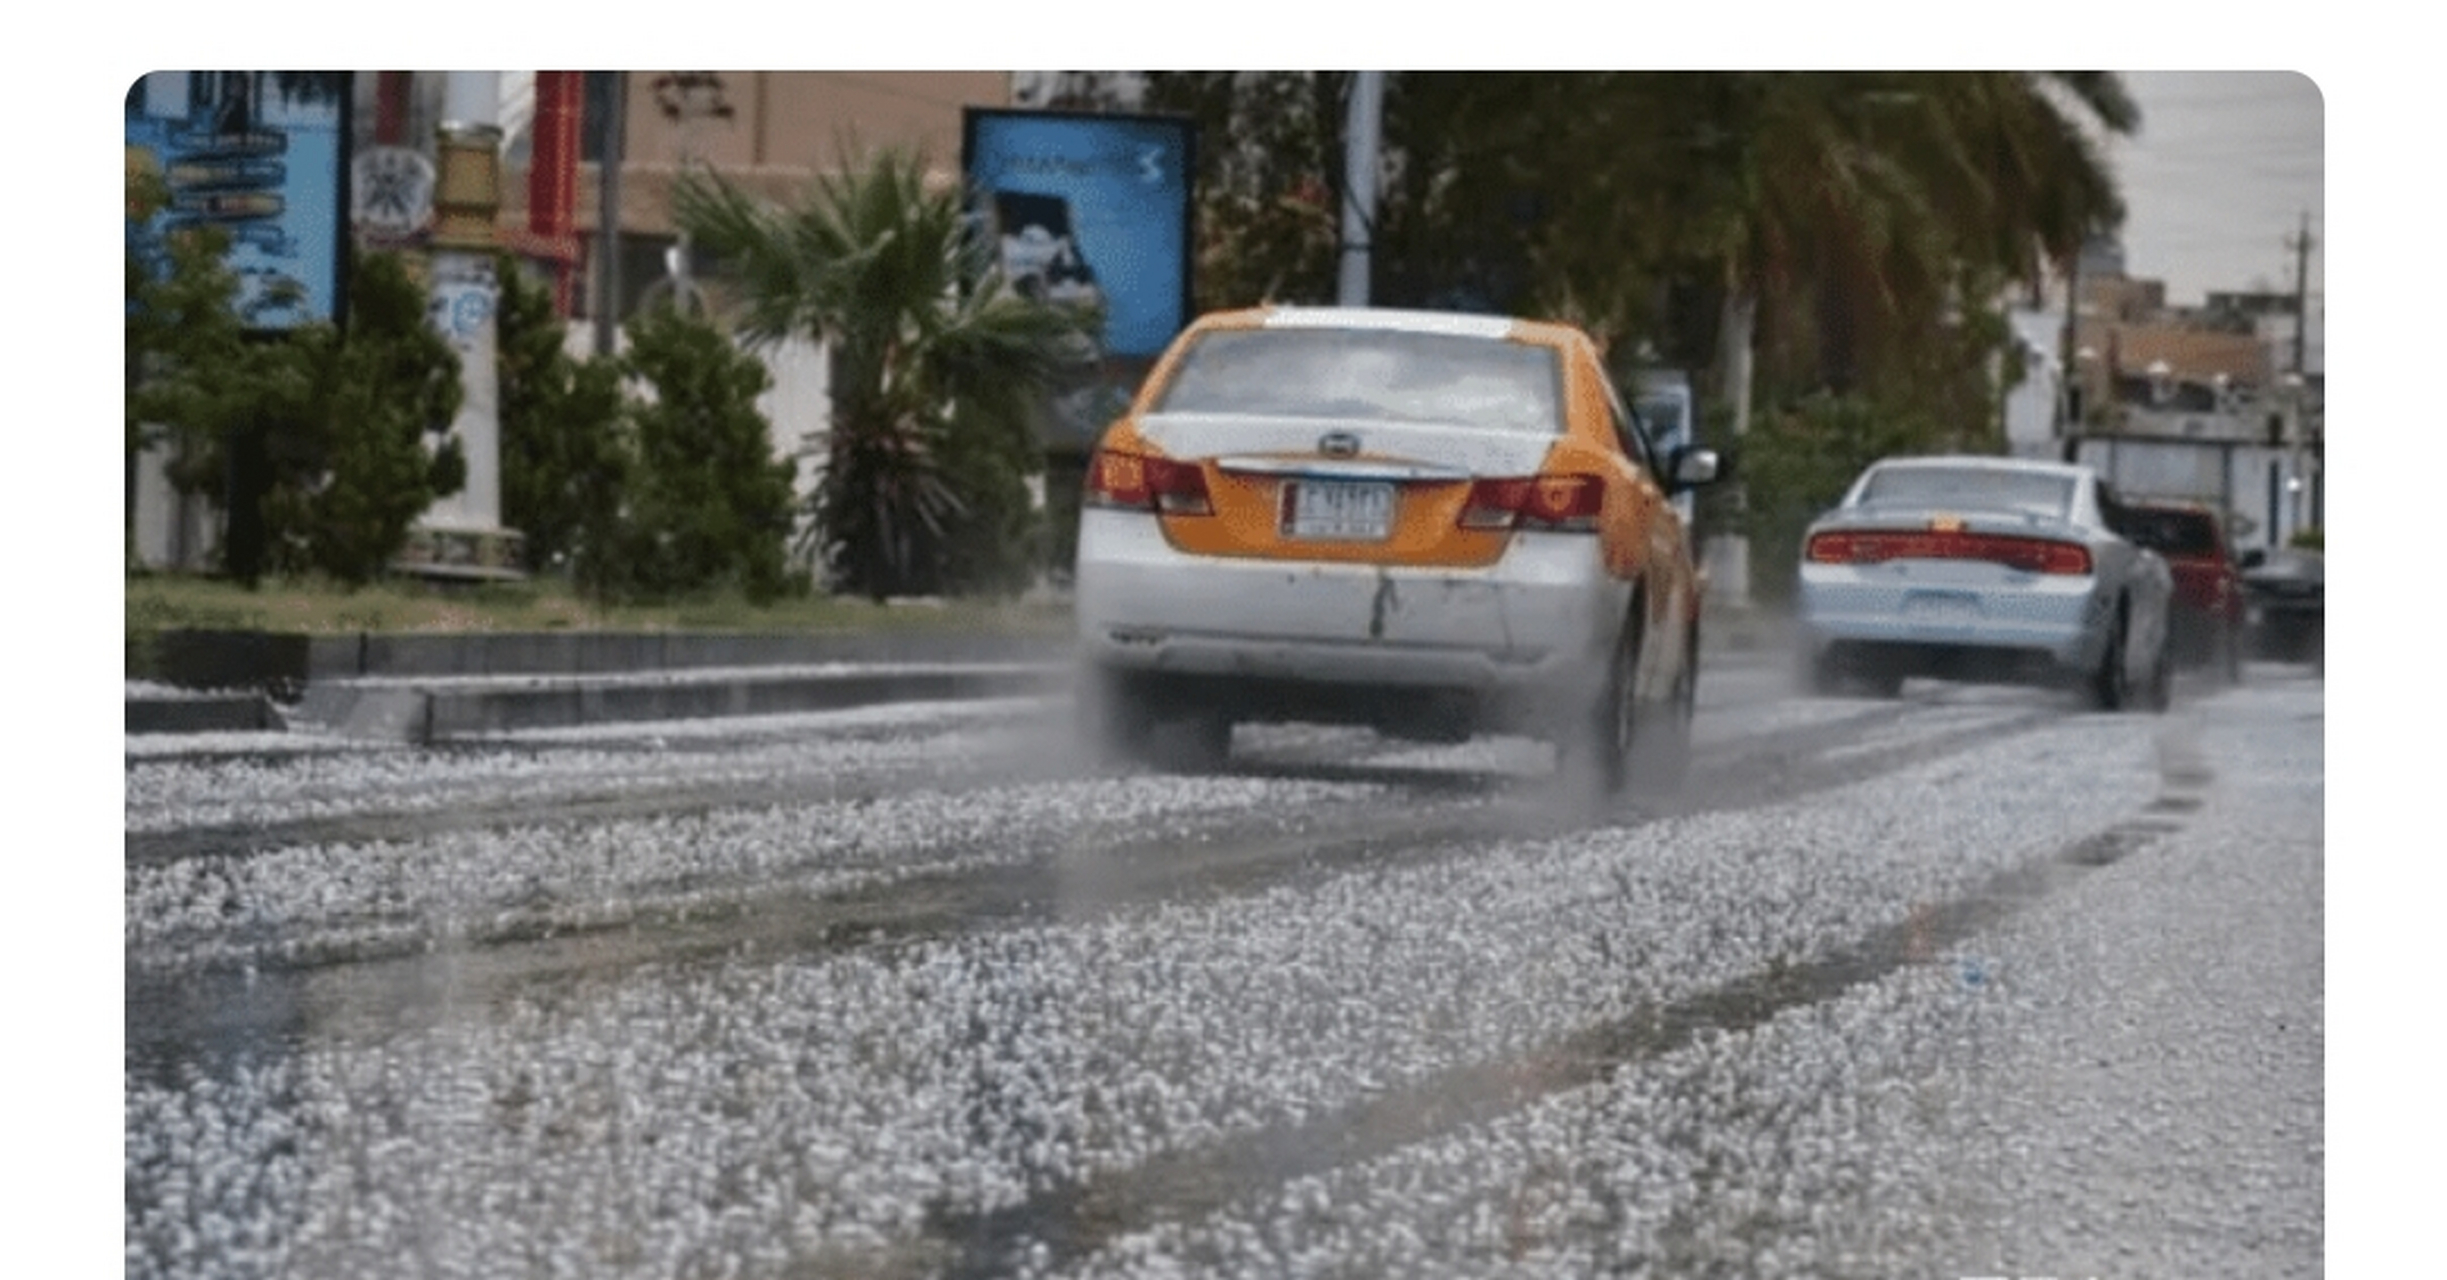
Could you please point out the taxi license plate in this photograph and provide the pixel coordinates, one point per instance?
(1341, 510)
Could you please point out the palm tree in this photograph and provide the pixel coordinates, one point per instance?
(1849, 215)
(1872, 199)
(936, 368)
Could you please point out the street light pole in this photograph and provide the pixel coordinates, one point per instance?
(1362, 128)
(1727, 555)
(606, 303)
(2301, 245)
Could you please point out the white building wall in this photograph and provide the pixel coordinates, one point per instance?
(799, 407)
(2030, 407)
(173, 532)
(2267, 492)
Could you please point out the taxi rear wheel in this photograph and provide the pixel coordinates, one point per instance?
(1622, 741)
(1110, 722)
(1594, 748)
(1124, 723)
(1661, 735)
(1830, 677)
(1188, 741)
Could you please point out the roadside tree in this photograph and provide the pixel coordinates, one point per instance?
(706, 506)
(193, 376)
(564, 464)
(361, 447)
(320, 445)
(936, 369)
(186, 349)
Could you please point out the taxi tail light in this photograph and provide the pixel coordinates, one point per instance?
(1563, 503)
(2031, 555)
(1147, 482)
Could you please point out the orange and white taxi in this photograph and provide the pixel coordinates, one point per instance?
(1434, 524)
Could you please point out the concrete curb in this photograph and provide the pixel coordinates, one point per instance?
(443, 710)
(611, 652)
(424, 688)
(203, 713)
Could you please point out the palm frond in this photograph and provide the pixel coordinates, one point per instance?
(933, 361)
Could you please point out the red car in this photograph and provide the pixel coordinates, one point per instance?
(2205, 628)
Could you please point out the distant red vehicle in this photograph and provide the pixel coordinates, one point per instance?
(2205, 627)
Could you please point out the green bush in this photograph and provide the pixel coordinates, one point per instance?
(369, 451)
(2310, 539)
(707, 505)
(1797, 461)
(314, 443)
(936, 367)
(564, 463)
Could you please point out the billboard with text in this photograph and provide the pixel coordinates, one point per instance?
(263, 156)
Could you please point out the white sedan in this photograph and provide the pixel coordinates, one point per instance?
(1983, 569)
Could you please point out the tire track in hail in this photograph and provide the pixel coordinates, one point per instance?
(1065, 1224)
(688, 797)
(1133, 869)
(594, 804)
(171, 1007)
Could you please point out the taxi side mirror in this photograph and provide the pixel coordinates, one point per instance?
(1694, 467)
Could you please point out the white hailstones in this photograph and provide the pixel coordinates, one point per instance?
(694, 1113)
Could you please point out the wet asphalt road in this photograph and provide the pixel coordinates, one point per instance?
(1975, 982)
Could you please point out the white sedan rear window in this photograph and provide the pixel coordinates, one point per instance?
(1969, 489)
(1380, 375)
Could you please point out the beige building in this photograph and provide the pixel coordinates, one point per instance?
(771, 131)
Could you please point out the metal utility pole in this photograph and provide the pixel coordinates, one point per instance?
(2298, 428)
(1362, 128)
(606, 306)
(2069, 395)
(2301, 245)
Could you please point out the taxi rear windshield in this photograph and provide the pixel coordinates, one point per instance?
(1370, 374)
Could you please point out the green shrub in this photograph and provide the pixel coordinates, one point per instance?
(564, 462)
(315, 443)
(369, 452)
(707, 506)
(1797, 461)
(936, 367)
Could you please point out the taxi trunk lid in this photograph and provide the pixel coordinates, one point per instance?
(1340, 489)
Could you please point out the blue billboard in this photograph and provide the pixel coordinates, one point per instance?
(262, 155)
(1091, 209)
